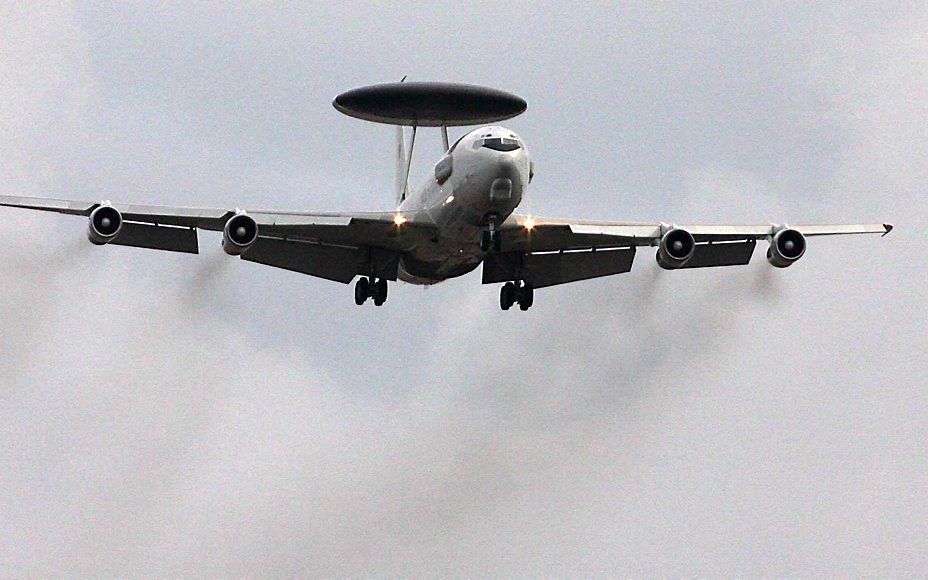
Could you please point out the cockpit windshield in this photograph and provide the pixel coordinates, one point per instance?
(501, 143)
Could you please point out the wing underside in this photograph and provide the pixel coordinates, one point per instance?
(334, 246)
(340, 246)
(547, 252)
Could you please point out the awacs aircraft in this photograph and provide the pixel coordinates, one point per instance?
(463, 216)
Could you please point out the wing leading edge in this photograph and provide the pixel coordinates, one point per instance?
(547, 234)
(339, 246)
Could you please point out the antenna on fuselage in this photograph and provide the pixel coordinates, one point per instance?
(422, 104)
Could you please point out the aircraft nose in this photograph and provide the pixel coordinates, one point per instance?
(506, 184)
(506, 166)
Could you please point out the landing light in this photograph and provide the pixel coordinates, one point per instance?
(399, 220)
(528, 224)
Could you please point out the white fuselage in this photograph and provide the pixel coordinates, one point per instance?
(490, 168)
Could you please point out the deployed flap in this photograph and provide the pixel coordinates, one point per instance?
(550, 237)
(502, 267)
(337, 263)
(153, 237)
(721, 254)
(552, 269)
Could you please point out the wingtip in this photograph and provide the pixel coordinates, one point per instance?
(888, 227)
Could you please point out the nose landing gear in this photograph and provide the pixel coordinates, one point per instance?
(516, 292)
(491, 237)
(366, 288)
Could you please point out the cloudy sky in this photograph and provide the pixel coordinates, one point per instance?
(190, 415)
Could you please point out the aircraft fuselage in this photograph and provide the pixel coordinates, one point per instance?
(477, 184)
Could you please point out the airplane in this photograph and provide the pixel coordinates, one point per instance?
(462, 217)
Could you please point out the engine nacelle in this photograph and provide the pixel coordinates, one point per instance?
(105, 225)
(676, 248)
(786, 247)
(240, 233)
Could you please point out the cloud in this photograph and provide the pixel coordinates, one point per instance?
(178, 415)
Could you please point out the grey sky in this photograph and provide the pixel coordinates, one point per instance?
(177, 415)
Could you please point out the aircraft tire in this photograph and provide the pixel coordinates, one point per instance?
(361, 291)
(379, 292)
(507, 296)
(526, 297)
(382, 288)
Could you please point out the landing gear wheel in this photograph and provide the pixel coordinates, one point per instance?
(361, 290)
(383, 289)
(526, 297)
(516, 292)
(507, 295)
(379, 292)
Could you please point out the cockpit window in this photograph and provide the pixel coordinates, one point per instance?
(501, 143)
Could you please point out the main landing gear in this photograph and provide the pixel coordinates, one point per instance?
(516, 292)
(366, 288)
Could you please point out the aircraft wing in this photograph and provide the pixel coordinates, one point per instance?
(335, 246)
(549, 251)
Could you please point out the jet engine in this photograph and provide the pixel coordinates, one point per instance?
(240, 233)
(105, 225)
(786, 247)
(676, 248)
